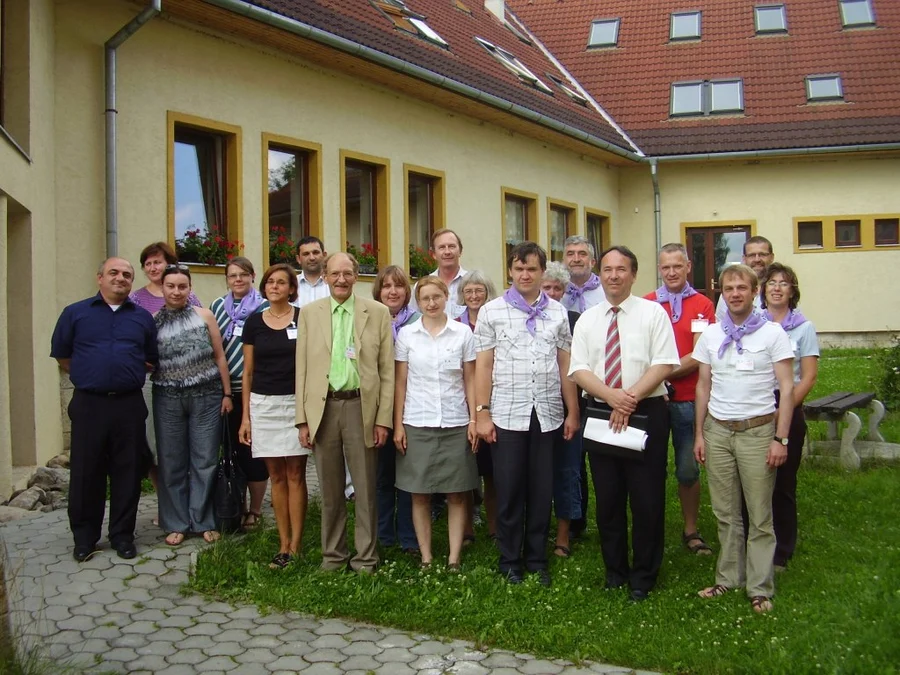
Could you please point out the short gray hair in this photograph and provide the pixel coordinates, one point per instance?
(556, 271)
(675, 247)
(476, 278)
(576, 240)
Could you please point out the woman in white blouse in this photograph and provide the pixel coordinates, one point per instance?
(434, 412)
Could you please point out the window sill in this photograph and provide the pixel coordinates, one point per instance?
(202, 268)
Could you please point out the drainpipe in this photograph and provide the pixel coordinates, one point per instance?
(129, 29)
(657, 213)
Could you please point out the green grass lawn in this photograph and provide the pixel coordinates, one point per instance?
(837, 608)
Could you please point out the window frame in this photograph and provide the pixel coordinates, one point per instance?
(770, 31)
(896, 223)
(408, 21)
(865, 24)
(438, 203)
(817, 99)
(605, 230)
(233, 202)
(685, 38)
(821, 233)
(855, 243)
(512, 63)
(571, 211)
(531, 225)
(568, 90)
(382, 231)
(313, 152)
(707, 88)
(867, 241)
(617, 21)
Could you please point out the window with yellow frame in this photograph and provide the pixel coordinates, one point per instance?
(562, 224)
(520, 220)
(365, 209)
(830, 234)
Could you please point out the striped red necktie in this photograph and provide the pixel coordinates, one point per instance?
(613, 352)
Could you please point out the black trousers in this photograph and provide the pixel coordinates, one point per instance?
(108, 438)
(579, 525)
(254, 468)
(523, 480)
(784, 498)
(620, 483)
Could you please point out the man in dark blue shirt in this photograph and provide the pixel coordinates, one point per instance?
(106, 343)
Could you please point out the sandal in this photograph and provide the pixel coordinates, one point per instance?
(174, 538)
(713, 591)
(454, 568)
(698, 547)
(562, 551)
(211, 536)
(761, 604)
(280, 561)
(249, 524)
(468, 540)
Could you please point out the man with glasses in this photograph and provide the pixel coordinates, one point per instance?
(758, 255)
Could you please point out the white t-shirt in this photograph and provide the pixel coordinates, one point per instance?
(804, 342)
(743, 385)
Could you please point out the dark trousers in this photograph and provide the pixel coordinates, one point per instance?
(108, 439)
(784, 499)
(579, 525)
(395, 524)
(523, 479)
(620, 483)
(254, 468)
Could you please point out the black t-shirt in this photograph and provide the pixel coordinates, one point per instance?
(274, 356)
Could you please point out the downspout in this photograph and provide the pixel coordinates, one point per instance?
(657, 213)
(129, 29)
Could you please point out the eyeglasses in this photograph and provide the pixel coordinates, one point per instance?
(235, 277)
(468, 292)
(778, 284)
(179, 267)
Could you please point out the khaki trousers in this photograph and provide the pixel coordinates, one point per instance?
(736, 465)
(340, 435)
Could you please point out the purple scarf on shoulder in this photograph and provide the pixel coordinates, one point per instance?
(400, 320)
(514, 299)
(793, 319)
(576, 293)
(239, 313)
(734, 333)
(663, 294)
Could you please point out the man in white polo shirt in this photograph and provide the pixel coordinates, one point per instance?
(446, 247)
(738, 436)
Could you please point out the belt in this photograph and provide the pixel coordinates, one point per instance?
(743, 425)
(344, 395)
(109, 394)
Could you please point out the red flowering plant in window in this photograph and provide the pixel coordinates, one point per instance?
(206, 248)
(282, 248)
(366, 256)
(421, 262)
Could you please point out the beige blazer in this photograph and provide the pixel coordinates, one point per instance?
(374, 343)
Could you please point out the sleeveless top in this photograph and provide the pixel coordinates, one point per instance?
(187, 366)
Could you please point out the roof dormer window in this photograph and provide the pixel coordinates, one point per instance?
(604, 33)
(770, 19)
(855, 13)
(824, 88)
(706, 97)
(684, 26)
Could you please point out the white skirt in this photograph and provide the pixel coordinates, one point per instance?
(272, 430)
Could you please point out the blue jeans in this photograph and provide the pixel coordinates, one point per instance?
(681, 421)
(567, 456)
(188, 435)
(394, 506)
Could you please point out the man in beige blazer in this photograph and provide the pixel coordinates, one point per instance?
(345, 406)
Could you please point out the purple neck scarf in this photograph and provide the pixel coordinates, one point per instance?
(400, 319)
(514, 299)
(663, 294)
(793, 319)
(576, 293)
(734, 333)
(239, 313)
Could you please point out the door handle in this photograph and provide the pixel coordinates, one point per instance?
(712, 284)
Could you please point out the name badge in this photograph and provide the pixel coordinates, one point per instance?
(744, 363)
(794, 345)
(699, 325)
(292, 333)
(238, 331)
(351, 352)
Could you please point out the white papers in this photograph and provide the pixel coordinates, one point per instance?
(631, 438)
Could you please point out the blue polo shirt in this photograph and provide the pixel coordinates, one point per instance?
(108, 348)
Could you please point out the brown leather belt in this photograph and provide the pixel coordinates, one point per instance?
(743, 425)
(344, 395)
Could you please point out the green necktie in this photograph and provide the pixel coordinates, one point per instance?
(341, 375)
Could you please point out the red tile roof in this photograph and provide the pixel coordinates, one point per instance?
(632, 81)
(465, 61)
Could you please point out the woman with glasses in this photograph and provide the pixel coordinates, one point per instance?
(476, 289)
(268, 422)
(191, 391)
(232, 311)
(779, 298)
(395, 521)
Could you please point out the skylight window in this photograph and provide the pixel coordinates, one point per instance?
(571, 92)
(771, 19)
(856, 13)
(426, 31)
(408, 21)
(824, 88)
(685, 26)
(706, 98)
(604, 33)
(516, 66)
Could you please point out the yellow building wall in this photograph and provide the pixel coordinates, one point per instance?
(842, 292)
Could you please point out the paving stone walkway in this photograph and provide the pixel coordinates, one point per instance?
(109, 615)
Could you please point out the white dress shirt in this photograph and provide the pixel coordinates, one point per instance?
(435, 391)
(307, 292)
(645, 336)
(526, 373)
(452, 309)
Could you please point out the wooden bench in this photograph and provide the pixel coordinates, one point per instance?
(839, 407)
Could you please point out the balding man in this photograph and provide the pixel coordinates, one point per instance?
(106, 344)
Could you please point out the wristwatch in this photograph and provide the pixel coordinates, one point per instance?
(479, 408)
(783, 441)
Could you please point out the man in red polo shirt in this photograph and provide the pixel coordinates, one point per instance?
(690, 313)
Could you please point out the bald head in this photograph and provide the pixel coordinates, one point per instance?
(115, 277)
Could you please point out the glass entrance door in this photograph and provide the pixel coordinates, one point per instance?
(711, 250)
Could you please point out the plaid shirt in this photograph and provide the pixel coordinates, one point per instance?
(526, 373)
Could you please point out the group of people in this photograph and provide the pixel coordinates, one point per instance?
(430, 389)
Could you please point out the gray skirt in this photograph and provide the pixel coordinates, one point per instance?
(436, 460)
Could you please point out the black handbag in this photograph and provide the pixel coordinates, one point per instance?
(230, 486)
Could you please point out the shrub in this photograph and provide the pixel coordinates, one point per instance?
(887, 382)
